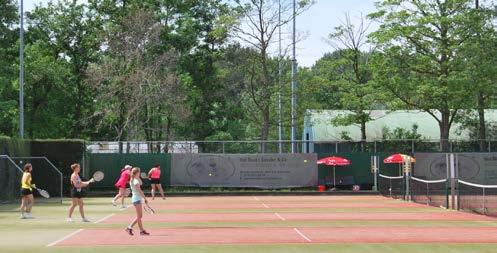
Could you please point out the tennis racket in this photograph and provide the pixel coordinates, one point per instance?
(43, 193)
(148, 209)
(143, 175)
(97, 176)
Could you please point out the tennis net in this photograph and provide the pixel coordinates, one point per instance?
(477, 198)
(392, 187)
(429, 192)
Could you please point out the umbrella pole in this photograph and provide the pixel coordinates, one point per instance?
(334, 182)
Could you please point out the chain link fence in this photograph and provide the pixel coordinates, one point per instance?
(254, 146)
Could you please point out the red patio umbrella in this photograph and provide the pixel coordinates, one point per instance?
(399, 158)
(334, 161)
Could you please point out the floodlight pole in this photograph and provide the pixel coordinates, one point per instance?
(21, 71)
(294, 83)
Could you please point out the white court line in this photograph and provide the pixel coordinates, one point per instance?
(303, 236)
(279, 216)
(266, 206)
(65, 237)
(256, 198)
(104, 218)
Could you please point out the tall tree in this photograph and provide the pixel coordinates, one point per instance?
(480, 53)
(8, 70)
(420, 44)
(137, 88)
(46, 92)
(353, 79)
(197, 31)
(259, 32)
(71, 29)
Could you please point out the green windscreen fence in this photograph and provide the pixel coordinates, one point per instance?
(357, 173)
(111, 165)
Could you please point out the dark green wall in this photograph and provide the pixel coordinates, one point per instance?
(359, 169)
(111, 165)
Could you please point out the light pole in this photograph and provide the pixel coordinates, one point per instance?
(280, 127)
(294, 82)
(21, 71)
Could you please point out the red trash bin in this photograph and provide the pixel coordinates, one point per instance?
(321, 188)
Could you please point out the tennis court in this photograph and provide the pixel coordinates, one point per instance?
(255, 223)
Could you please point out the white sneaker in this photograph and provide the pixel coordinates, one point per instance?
(114, 203)
(23, 215)
(69, 220)
(84, 220)
(123, 207)
(29, 216)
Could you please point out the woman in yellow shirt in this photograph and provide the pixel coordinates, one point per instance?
(27, 200)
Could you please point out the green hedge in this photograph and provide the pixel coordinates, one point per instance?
(61, 152)
(14, 147)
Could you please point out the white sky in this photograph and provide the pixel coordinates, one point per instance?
(317, 23)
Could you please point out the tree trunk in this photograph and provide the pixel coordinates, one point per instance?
(78, 107)
(363, 134)
(482, 131)
(444, 130)
(265, 128)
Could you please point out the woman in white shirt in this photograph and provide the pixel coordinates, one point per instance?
(136, 198)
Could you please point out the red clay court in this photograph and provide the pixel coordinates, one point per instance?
(289, 220)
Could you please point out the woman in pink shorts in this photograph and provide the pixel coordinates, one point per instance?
(154, 176)
(121, 185)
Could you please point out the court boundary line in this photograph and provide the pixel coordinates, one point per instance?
(266, 206)
(65, 237)
(279, 216)
(302, 235)
(104, 218)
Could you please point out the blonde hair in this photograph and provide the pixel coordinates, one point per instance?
(74, 166)
(134, 171)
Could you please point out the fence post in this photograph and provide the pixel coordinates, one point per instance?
(374, 169)
(452, 172)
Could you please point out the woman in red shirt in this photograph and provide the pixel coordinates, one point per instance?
(154, 176)
(121, 185)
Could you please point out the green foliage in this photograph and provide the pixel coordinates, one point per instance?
(401, 133)
(420, 55)
(8, 72)
(45, 90)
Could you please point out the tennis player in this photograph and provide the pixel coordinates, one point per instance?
(76, 193)
(137, 197)
(121, 185)
(154, 175)
(27, 200)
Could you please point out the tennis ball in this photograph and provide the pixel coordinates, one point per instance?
(305, 161)
(210, 174)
